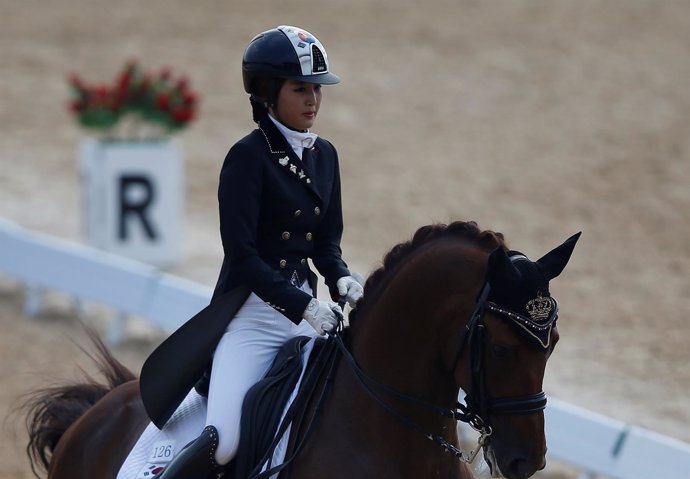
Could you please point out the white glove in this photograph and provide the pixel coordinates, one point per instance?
(351, 289)
(322, 316)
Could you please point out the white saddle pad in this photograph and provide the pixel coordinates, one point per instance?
(156, 448)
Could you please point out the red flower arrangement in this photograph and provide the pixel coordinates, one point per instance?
(159, 100)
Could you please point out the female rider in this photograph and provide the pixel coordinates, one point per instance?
(280, 205)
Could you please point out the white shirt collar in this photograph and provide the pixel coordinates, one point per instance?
(298, 140)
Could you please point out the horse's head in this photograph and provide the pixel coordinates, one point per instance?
(510, 336)
(455, 308)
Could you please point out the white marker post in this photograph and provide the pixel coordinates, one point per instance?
(133, 198)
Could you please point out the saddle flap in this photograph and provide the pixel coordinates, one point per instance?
(265, 405)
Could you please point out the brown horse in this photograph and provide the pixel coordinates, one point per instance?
(452, 308)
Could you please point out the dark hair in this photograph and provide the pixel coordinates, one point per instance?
(264, 95)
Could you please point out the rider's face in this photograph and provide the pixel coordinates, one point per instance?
(298, 104)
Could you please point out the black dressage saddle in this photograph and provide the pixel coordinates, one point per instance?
(265, 403)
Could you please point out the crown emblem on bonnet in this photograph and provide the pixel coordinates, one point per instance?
(539, 308)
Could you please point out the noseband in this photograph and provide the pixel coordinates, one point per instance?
(479, 406)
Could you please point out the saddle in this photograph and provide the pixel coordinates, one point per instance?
(268, 414)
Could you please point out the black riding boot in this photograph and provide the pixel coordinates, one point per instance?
(196, 460)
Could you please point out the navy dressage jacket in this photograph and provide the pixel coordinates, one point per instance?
(277, 211)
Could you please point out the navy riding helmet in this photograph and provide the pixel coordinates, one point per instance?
(286, 52)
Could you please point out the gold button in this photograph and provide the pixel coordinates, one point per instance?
(283, 263)
(303, 261)
(309, 236)
(317, 210)
(286, 235)
(298, 212)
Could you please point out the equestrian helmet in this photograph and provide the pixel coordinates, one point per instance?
(289, 53)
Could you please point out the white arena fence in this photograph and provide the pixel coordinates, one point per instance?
(594, 444)
(44, 264)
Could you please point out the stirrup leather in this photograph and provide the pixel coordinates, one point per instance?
(196, 459)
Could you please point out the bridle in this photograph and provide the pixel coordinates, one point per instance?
(478, 405)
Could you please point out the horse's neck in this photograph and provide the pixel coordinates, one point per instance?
(398, 342)
(398, 339)
(409, 332)
(407, 361)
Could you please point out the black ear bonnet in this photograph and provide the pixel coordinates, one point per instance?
(519, 288)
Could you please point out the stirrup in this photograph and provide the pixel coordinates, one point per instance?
(197, 459)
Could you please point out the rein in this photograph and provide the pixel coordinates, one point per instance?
(478, 405)
(364, 379)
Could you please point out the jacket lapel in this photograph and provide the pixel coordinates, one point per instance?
(285, 157)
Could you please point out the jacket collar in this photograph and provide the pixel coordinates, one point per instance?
(296, 139)
(284, 156)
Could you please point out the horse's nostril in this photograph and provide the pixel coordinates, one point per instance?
(520, 469)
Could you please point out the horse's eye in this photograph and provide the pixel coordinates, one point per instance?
(502, 352)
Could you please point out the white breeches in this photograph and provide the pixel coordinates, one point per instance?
(242, 357)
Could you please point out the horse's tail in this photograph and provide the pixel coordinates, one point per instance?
(51, 411)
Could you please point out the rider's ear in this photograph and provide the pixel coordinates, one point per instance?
(553, 262)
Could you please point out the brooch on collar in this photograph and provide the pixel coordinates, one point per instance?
(285, 161)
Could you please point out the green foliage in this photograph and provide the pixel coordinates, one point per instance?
(159, 100)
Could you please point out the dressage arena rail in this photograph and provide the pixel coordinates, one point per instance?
(594, 444)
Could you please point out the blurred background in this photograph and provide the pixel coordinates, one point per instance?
(534, 118)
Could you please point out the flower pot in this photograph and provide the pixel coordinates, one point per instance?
(132, 195)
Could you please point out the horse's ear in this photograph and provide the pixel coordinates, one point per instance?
(553, 262)
(501, 269)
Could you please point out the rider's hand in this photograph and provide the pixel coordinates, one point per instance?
(322, 316)
(350, 289)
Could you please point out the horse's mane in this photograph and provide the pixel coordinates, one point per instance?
(465, 230)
